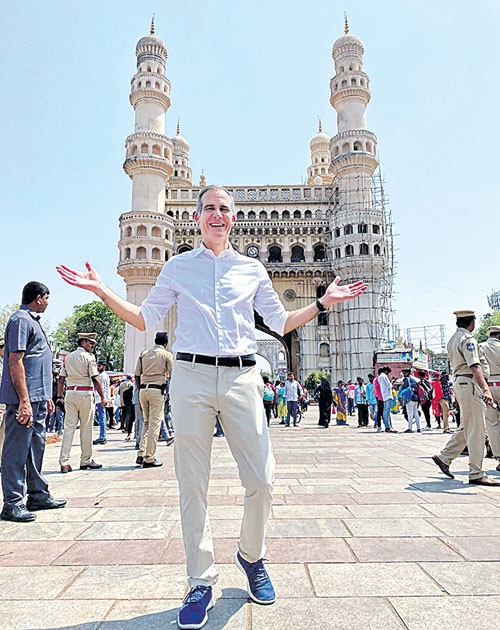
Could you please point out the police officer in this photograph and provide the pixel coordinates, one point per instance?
(491, 349)
(470, 371)
(80, 370)
(153, 368)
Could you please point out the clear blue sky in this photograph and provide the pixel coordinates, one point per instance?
(249, 81)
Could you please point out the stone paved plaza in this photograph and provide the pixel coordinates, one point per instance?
(365, 533)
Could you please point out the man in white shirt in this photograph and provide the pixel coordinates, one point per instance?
(386, 393)
(216, 290)
(293, 391)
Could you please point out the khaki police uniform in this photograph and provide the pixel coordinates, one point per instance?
(463, 352)
(491, 349)
(79, 367)
(153, 367)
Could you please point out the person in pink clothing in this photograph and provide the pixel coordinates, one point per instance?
(380, 402)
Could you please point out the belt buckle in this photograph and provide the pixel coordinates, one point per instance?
(216, 362)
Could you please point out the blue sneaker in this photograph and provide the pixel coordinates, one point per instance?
(193, 613)
(259, 585)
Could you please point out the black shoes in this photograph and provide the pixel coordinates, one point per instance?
(92, 465)
(17, 514)
(49, 504)
(485, 481)
(444, 467)
(66, 468)
(154, 464)
(140, 460)
(100, 441)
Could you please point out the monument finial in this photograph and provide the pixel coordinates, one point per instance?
(346, 23)
(152, 27)
(178, 126)
(320, 128)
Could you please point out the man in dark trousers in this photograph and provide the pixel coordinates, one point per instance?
(26, 390)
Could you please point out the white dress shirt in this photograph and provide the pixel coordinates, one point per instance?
(216, 297)
(385, 387)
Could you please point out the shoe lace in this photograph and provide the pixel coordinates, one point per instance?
(195, 594)
(257, 573)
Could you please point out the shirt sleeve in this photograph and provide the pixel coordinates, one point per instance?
(138, 366)
(268, 304)
(93, 371)
(161, 297)
(470, 350)
(19, 332)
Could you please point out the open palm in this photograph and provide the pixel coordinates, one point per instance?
(88, 280)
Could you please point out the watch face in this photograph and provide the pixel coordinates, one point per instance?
(253, 251)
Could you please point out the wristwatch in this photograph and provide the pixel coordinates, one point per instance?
(320, 306)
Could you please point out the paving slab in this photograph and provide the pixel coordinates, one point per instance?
(395, 549)
(475, 548)
(373, 580)
(436, 613)
(53, 614)
(470, 578)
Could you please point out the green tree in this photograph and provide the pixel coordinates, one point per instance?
(313, 379)
(490, 319)
(94, 317)
(5, 312)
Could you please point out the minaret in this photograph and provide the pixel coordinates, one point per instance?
(318, 172)
(357, 224)
(146, 232)
(180, 156)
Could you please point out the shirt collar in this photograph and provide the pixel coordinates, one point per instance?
(33, 314)
(230, 252)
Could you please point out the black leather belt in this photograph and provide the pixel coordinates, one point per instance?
(151, 386)
(243, 361)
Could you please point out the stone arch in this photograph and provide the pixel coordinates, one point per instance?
(275, 215)
(155, 253)
(348, 229)
(324, 349)
(297, 254)
(349, 250)
(346, 147)
(376, 250)
(362, 228)
(285, 215)
(319, 252)
(185, 215)
(363, 249)
(156, 149)
(128, 231)
(357, 146)
(337, 252)
(126, 253)
(275, 255)
(156, 232)
(262, 214)
(184, 248)
(307, 214)
(297, 214)
(144, 148)
(240, 215)
(140, 253)
(141, 230)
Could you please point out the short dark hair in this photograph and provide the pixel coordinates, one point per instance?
(464, 322)
(32, 290)
(103, 363)
(161, 338)
(265, 379)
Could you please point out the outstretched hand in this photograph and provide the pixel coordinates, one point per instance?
(336, 293)
(89, 280)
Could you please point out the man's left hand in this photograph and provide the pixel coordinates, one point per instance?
(335, 293)
(50, 406)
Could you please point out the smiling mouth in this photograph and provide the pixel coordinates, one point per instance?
(216, 224)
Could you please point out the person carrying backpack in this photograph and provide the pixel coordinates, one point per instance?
(268, 398)
(410, 399)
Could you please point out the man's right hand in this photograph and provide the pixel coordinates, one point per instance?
(24, 413)
(89, 280)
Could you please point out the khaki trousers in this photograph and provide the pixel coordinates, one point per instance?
(445, 412)
(152, 404)
(80, 407)
(493, 422)
(472, 428)
(199, 392)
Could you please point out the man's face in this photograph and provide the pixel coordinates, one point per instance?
(2, 350)
(41, 303)
(360, 381)
(216, 219)
(88, 345)
(100, 367)
(290, 377)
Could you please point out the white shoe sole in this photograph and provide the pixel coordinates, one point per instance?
(251, 595)
(196, 626)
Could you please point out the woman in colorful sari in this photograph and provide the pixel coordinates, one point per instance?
(281, 403)
(340, 397)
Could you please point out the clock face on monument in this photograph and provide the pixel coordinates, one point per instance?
(253, 251)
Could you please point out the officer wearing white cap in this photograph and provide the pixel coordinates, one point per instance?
(491, 349)
(80, 370)
(470, 371)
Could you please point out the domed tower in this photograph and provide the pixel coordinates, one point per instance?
(357, 223)
(180, 156)
(318, 172)
(146, 232)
